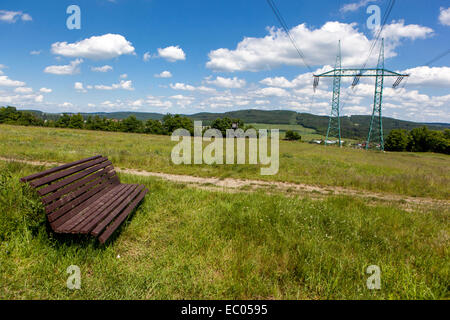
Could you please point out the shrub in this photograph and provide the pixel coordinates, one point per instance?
(292, 136)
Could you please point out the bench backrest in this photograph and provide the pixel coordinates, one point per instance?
(68, 189)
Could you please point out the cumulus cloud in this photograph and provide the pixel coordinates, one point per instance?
(397, 30)
(272, 91)
(123, 76)
(164, 74)
(171, 53)
(70, 69)
(227, 82)
(23, 90)
(7, 82)
(278, 82)
(146, 56)
(13, 16)
(354, 6)
(104, 68)
(125, 85)
(45, 90)
(444, 16)
(318, 45)
(429, 76)
(78, 86)
(107, 46)
(182, 86)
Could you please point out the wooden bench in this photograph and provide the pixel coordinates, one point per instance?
(86, 197)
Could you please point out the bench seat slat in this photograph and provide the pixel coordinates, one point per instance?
(99, 228)
(108, 232)
(61, 220)
(99, 215)
(81, 216)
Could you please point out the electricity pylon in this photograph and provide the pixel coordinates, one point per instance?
(376, 124)
(376, 129)
(334, 123)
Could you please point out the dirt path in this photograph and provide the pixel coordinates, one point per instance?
(297, 189)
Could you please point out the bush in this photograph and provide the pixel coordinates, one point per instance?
(397, 140)
(292, 136)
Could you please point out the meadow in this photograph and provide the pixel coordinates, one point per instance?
(186, 243)
(408, 174)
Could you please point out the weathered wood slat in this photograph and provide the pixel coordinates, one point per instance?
(65, 173)
(74, 194)
(81, 216)
(54, 186)
(85, 197)
(96, 218)
(98, 229)
(55, 169)
(71, 205)
(74, 186)
(108, 232)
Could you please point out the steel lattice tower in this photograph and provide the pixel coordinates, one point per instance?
(334, 123)
(376, 122)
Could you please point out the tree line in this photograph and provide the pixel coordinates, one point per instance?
(168, 124)
(418, 140)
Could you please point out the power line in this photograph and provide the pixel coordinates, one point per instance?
(443, 54)
(284, 26)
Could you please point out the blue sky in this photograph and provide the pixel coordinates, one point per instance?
(216, 56)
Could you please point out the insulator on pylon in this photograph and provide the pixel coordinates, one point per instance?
(397, 82)
(316, 83)
(356, 80)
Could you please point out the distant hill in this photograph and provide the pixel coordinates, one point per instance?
(355, 126)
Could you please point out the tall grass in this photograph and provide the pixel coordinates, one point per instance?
(411, 174)
(183, 243)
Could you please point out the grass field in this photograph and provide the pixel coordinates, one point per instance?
(410, 174)
(184, 243)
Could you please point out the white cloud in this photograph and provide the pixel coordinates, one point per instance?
(164, 74)
(107, 46)
(350, 7)
(429, 76)
(66, 104)
(444, 16)
(182, 86)
(146, 56)
(6, 82)
(39, 98)
(35, 52)
(318, 45)
(69, 69)
(123, 76)
(172, 53)
(78, 86)
(104, 68)
(397, 30)
(278, 82)
(23, 90)
(125, 85)
(227, 82)
(156, 102)
(45, 90)
(272, 91)
(12, 16)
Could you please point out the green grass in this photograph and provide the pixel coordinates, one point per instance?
(411, 174)
(306, 133)
(185, 243)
